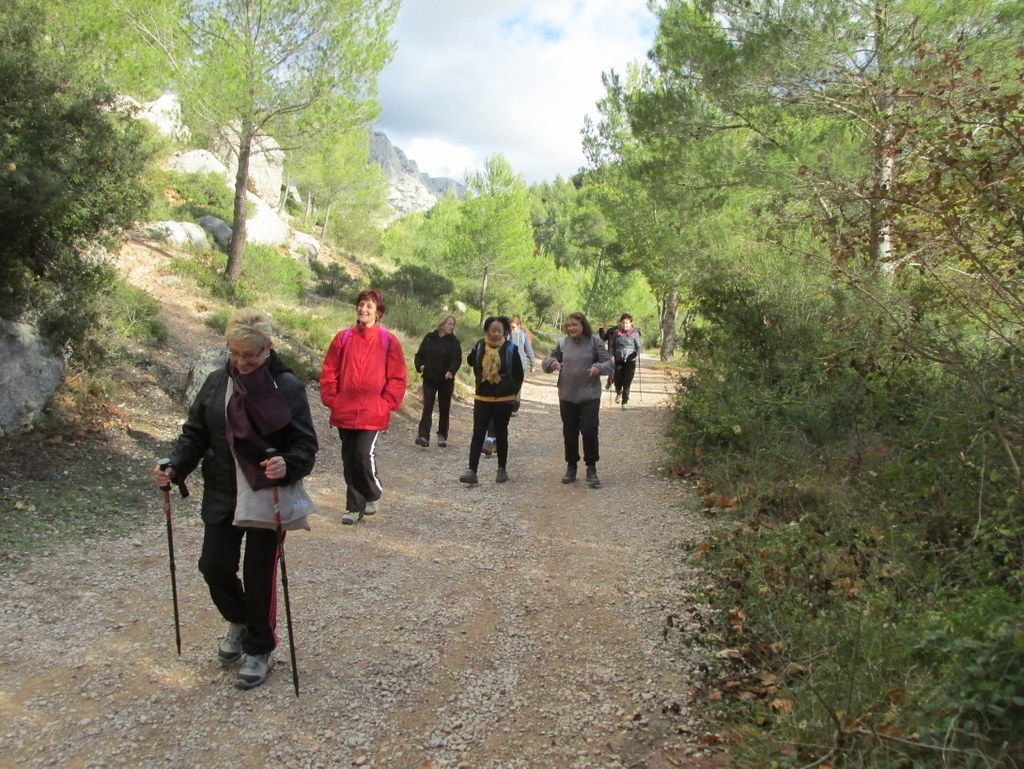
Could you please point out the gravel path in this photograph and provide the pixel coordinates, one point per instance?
(525, 625)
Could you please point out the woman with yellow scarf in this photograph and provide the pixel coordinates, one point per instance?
(498, 369)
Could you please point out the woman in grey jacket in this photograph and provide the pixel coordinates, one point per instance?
(580, 360)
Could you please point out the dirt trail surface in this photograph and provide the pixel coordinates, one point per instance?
(530, 624)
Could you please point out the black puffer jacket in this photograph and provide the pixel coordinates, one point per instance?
(203, 438)
(438, 354)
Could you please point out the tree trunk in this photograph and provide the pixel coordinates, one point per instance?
(483, 299)
(237, 244)
(593, 286)
(668, 323)
(885, 146)
(327, 217)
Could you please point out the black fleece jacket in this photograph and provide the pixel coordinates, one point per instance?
(438, 354)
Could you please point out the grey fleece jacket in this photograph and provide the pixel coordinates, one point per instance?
(577, 356)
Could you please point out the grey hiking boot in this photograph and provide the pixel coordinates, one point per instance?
(592, 480)
(501, 476)
(371, 507)
(254, 671)
(442, 442)
(230, 648)
(469, 477)
(421, 441)
(351, 517)
(570, 474)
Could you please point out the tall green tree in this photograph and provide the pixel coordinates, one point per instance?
(70, 179)
(495, 227)
(292, 69)
(345, 191)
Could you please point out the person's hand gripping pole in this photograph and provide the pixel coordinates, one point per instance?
(271, 453)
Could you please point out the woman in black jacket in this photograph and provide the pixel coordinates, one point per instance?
(251, 404)
(438, 358)
(498, 369)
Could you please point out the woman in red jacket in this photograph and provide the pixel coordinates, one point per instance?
(362, 381)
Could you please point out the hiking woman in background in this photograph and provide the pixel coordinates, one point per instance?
(624, 342)
(438, 359)
(362, 381)
(580, 360)
(251, 404)
(498, 370)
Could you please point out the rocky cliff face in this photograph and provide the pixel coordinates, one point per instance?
(409, 189)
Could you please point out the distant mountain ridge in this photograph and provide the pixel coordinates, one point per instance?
(409, 189)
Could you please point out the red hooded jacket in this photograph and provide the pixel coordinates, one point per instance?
(363, 378)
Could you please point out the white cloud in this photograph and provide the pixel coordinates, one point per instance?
(472, 78)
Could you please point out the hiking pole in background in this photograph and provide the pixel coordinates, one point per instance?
(164, 464)
(284, 579)
(639, 379)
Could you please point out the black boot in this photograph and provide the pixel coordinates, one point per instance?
(592, 480)
(570, 474)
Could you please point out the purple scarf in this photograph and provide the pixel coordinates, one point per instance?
(256, 409)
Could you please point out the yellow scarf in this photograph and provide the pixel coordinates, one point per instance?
(490, 366)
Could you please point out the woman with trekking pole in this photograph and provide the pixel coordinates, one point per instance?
(580, 360)
(624, 342)
(498, 371)
(253, 403)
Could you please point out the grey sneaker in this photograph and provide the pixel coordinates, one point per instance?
(351, 517)
(421, 441)
(570, 474)
(442, 442)
(254, 671)
(592, 480)
(230, 648)
(501, 476)
(469, 477)
(371, 507)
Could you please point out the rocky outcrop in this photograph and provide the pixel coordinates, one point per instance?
(409, 189)
(29, 376)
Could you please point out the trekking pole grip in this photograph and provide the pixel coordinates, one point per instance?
(163, 464)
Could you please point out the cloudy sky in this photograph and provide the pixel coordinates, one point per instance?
(472, 78)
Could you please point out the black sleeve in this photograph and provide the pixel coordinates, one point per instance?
(194, 440)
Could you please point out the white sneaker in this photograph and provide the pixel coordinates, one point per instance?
(371, 507)
(230, 648)
(255, 669)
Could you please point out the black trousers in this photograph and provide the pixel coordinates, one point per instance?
(624, 373)
(580, 419)
(359, 460)
(251, 601)
(497, 415)
(442, 390)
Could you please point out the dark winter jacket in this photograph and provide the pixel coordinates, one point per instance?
(203, 438)
(511, 376)
(438, 355)
(624, 344)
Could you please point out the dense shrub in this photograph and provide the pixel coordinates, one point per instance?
(69, 179)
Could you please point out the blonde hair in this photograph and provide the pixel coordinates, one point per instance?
(248, 323)
(443, 318)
